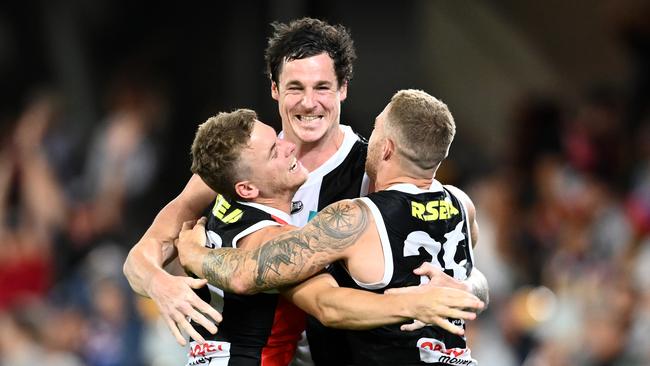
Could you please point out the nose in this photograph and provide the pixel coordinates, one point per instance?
(287, 146)
(308, 99)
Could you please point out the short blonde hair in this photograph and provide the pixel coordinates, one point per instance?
(422, 126)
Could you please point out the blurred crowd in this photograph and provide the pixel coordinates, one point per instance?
(565, 238)
(564, 229)
(67, 224)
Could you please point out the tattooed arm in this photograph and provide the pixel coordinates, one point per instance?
(287, 259)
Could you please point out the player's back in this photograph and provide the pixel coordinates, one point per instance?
(415, 226)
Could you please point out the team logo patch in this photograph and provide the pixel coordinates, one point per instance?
(296, 206)
(211, 352)
(434, 351)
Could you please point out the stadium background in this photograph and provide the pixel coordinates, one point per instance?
(99, 101)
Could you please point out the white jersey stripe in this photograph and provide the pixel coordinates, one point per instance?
(385, 246)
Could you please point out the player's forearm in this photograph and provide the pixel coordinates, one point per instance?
(229, 269)
(348, 308)
(144, 262)
(352, 309)
(273, 265)
(479, 286)
(243, 271)
(146, 259)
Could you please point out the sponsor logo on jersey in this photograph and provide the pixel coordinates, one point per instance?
(296, 206)
(434, 351)
(222, 211)
(433, 210)
(211, 352)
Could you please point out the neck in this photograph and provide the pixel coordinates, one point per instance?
(314, 154)
(281, 202)
(390, 175)
(421, 183)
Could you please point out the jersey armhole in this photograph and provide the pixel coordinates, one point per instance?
(465, 211)
(385, 245)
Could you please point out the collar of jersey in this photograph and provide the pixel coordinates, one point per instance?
(270, 210)
(413, 189)
(349, 138)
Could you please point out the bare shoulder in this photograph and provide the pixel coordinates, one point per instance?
(342, 218)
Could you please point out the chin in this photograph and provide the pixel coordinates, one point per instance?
(297, 185)
(372, 173)
(310, 134)
(309, 137)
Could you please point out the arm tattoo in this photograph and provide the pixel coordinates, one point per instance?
(296, 255)
(219, 265)
(277, 253)
(292, 256)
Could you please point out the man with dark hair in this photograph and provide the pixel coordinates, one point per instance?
(310, 67)
(372, 243)
(305, 82)
(263, 329)
(308, 37)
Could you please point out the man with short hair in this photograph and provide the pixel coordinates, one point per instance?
(373, 243)
(238, 155)
(310, 65)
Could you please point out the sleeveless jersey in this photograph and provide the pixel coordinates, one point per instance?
(261, 329)
(342, 176)
(414, 226)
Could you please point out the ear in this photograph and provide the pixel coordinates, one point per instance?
(275, 93)
(388, 149)
(246, 190)
(343, 91)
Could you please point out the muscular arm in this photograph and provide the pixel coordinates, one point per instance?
(144, 265)
(145, 261)
(348, 308)
(287, 259)
(476, 282)
(342, 307)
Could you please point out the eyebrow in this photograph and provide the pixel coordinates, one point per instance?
(271, 150)
(293, 83)
(298, 83)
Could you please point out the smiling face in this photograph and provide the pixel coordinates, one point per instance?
(270, 164)
(309, 99)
